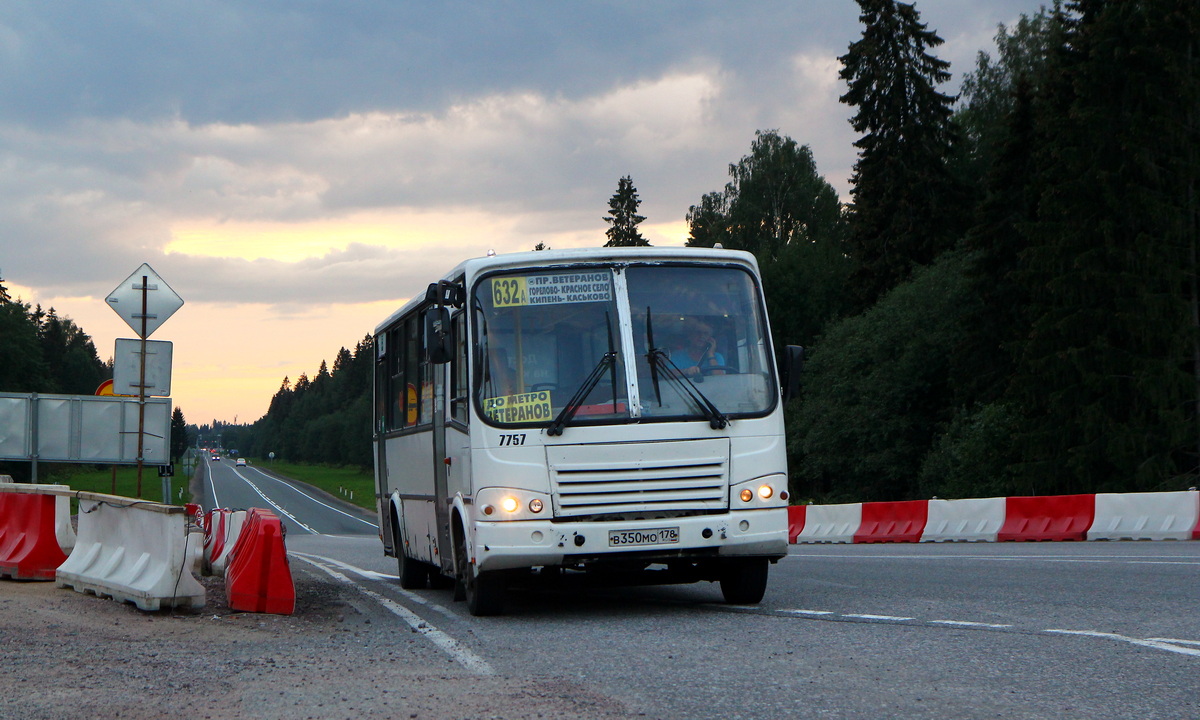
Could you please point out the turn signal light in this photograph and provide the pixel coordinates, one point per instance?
(747, 495)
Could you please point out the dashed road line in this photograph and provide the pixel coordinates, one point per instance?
(1174, 645)
(968, 623)
(456, 650)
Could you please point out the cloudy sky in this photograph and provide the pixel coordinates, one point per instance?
(297, 170)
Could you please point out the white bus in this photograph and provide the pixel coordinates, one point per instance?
(611, 410)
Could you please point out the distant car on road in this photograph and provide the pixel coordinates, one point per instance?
(240, 462)
(216, 458)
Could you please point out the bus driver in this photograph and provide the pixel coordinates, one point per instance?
(699, 351)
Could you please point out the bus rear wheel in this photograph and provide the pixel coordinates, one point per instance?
(414, 575)
(744, 581)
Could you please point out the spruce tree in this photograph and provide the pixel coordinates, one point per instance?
(623, 217)
(906, 204)
(1107, 376)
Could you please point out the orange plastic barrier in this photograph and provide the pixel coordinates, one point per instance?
(1054, 517)
(796, 515)
(29, 547)
(892, 521)
(258, 578)
(214, 537)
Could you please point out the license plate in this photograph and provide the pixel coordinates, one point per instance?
(653, 536)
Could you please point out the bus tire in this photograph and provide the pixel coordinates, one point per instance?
(414, 575)
(744, 581)
(485, 593)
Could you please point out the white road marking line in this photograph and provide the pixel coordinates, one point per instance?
(310, 497)
(1175, 641)
(1152, 643)
(213, 485)
(1115, 559)
(273, 503)
(372, 575)
(967, 623)
(810, 612)
(877, 617)
(456, 650)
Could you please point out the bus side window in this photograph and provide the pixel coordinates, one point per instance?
(411, 359)
(458, 370)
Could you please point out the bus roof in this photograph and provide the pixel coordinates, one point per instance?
(572, 256)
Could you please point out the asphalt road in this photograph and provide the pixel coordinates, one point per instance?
(302, 508)
(1011, 630)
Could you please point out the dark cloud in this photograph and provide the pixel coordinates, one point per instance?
(120, 119)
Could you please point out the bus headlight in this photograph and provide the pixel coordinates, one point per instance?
(498, 504)
(762, 492)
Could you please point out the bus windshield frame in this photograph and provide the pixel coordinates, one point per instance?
(620, 343)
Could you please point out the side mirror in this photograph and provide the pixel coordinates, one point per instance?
(439, 340)
(790, 368)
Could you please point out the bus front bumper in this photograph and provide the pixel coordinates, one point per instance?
(546, 543)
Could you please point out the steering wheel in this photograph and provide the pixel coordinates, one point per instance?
(710, 369)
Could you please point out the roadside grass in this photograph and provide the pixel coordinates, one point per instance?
(353, 484)
(99, 479)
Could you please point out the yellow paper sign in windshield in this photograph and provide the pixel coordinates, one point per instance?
(552, 289)
(525, 407)
(509, 291)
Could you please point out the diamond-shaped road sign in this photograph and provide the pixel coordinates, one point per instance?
(161, 301)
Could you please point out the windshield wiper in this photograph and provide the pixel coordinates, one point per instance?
(660, 360)
(608, 361)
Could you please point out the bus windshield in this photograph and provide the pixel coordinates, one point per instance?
(549, 339)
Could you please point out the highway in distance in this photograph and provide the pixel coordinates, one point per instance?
(937, 630)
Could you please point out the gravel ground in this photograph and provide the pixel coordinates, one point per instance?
(69, 655)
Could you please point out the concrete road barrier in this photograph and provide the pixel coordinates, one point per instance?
(968, 520)
(831, 523)
(133, 551)
(1145, 516)
(892, 521)
(1050, 517)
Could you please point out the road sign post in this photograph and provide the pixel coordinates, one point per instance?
(144, 313)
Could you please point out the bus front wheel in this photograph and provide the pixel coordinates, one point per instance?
(484, 592)
(744, 581)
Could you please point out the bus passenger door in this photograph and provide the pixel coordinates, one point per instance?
(440, 370)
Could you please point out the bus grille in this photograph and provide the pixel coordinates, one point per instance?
(641, 478)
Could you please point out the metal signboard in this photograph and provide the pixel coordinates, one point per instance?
(127, 367)
(82, 428)
(144, 301)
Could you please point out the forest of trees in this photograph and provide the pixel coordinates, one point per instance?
(1009, 303)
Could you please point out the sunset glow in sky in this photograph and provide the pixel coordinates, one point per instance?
(295, 173)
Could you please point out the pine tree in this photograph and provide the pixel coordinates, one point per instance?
(778, 207)
(906, 203)
(623, 218)
(1107, 377)
(179, 435)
